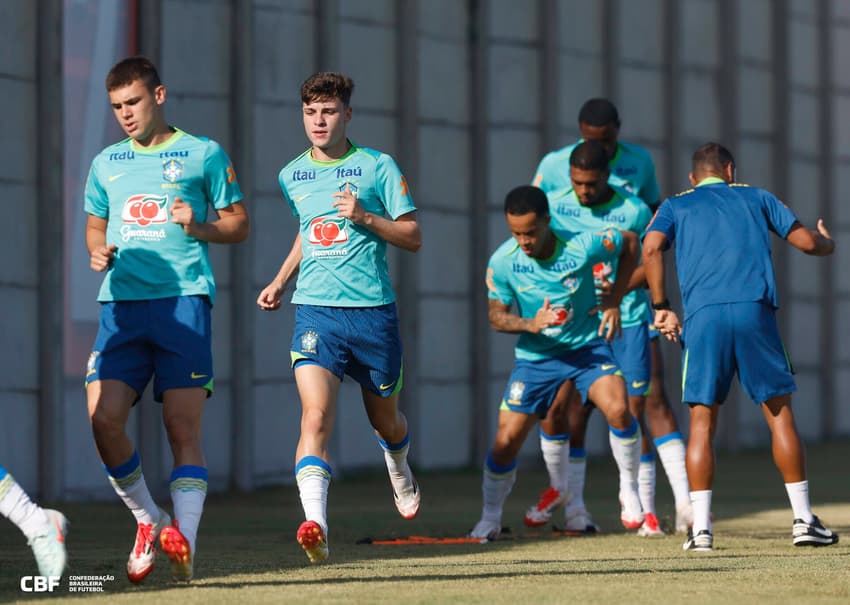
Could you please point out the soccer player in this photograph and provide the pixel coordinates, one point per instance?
(548, 273)
(44, 528)
(630, 168)
(350, 201)
(147, 231)
(721, 231)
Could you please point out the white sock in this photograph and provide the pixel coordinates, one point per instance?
(128, 481)
(396, 458)
(625, 446)
(701, 502)
(671, 450)
(19, 509)
(495, 487)
(576, 471)
(313, 476)
(188, 492)
(646, 483)
(556, 451)
(798, 494)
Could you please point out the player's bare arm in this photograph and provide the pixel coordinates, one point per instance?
(610, 324)
(100, 253)
(231, 226)
(402, 232)
(814, 242)
(665, 320)
(269, 298)
(502, 320)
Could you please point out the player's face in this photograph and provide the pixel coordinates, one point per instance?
(530, 231)
(138, 109)
(325, 122)
(606, 135)
(590, 186)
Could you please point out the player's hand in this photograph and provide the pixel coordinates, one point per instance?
(348, 207)
(822, 229)
(269, 298)
(102, 256)
(610, 324)
(544, 317)
(603, 288)
(667, 322)
(182, 214)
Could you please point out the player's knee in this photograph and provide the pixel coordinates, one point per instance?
(314, 422)
(104, 424)
(183, 432)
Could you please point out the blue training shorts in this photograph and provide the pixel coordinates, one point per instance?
(632, 352)
(533, 384)
(362, 342)
(168, 338)
(723, 339)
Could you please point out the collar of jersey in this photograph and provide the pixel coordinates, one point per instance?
(347, 155)
(176, 136)
(711, 180)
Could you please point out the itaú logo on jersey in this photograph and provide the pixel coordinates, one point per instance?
(327, 231)
(145, 209)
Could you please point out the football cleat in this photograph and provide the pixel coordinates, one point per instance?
(702, 542)
(541, 513)
(813, 534)
(578, 519)
(142, 557)
(650, 527)
(177, 547)
(312, 539)
(48, 545)
(486, 530)
(631, 513)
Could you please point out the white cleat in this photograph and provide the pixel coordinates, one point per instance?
(650, 527)
(48, 545)
(486, 530)
(579, 519)
(142, 557)
(406, 493)
(684, 518)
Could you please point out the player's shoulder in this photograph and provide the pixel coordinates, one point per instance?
(635, 150)
(374, 156)
(560, 195)
(629, 199)
(504, 252)
(116, 151)
(559, 155)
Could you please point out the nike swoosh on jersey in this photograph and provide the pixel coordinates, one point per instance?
(115, 177)
(522, 289)
(300, 198)
(196, 376)
(608, 366)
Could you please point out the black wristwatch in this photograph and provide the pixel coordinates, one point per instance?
(664, 305)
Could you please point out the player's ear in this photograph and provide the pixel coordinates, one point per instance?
(347, 113)
(692, 179)
(159, 94)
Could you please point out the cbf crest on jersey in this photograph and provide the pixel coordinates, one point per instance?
(516, 392)
(570, 284)
(172, 170)
(352, 187)
(309, 341)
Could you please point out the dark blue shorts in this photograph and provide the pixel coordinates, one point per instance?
(632, 352)
(168, 338)
(724, 339)
(362, 342)
(533, 384)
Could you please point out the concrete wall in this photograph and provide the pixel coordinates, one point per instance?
(467, 96)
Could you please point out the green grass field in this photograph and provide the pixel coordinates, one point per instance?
(247, 550)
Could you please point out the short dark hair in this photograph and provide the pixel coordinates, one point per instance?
(711, 158)
(128, 70)
(589, 155)
(326, 85)
(524, 199)
(599, 112)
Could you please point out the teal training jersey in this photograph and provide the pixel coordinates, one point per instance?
(566, 280)
(624, 212)
(343, 264)
(134, 188)
(631, 169)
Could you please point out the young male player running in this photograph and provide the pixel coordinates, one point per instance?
(630, 168)
(44, 528)
(592, 204)
(350, 201)
(721, 231)
(549, 275)
(147, 231)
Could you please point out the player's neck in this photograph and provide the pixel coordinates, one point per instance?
(548, 249)
(158, 135)
(331, 153)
